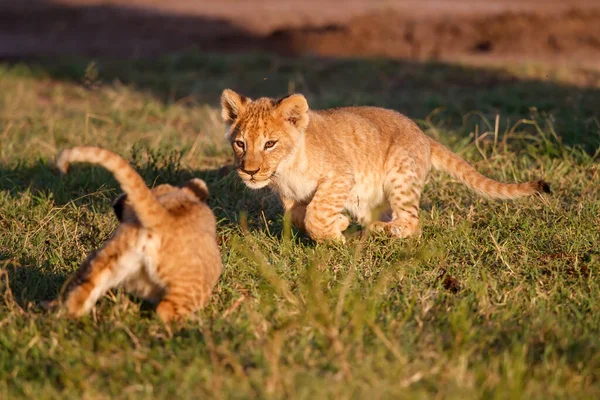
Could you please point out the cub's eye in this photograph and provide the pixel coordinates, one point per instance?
(239, 144)
(270, 144)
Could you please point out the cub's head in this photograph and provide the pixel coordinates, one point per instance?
(262, 132)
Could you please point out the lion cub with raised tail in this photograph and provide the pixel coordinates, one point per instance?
(165, 247)
(353, 159)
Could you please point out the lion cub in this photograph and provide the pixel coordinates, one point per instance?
(353, 159)
(165, 247)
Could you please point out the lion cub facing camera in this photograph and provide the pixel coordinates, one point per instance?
(164, 249)
(353, 159)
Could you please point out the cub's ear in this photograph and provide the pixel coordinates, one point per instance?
(232, 105)
(294, 109)
(197, 187)
(118, 206)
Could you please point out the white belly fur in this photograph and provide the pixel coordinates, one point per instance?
(363, 202)
(364, 199)
(144, 281)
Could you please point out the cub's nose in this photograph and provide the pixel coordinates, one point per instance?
(250, 172)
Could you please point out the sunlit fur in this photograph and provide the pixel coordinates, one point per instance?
(164, 250)
(366, 161)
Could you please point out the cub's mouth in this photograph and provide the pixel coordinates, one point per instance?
(255, 182)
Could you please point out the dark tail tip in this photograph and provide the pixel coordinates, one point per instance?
(543, 187)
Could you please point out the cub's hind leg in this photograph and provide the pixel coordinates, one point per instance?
(183, 298)
(403, 187)
(101, 271)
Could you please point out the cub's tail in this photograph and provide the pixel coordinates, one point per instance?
(445, 160)
(147, 208)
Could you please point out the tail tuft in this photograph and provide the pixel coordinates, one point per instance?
(543, 187)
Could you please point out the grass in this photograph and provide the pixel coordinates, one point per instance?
(495, 300)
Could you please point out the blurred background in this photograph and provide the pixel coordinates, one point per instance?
(558, 32)
(431, 59)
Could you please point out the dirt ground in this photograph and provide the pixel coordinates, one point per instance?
(558, 32)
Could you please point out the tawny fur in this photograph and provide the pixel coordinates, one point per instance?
(164, 250)
(356, 160)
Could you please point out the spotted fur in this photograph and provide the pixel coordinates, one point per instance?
(355, 159)
(164, 250)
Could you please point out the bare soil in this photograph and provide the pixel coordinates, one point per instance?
(565, 32)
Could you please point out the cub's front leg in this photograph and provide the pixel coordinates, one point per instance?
(295, 211)
(324, 219)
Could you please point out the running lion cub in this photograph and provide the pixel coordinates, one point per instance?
(354, 159)
(165, 247)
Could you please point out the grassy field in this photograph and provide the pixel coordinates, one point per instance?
(495, 300)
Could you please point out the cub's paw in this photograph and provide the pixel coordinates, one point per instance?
(77, 302)
(342, 223)
(327, 232)
(173, 312)
(396, 229)
(166, 311)
(329, 236)
(333, 238)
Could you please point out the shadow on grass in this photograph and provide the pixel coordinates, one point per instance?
(31, 285)
(147, 43)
